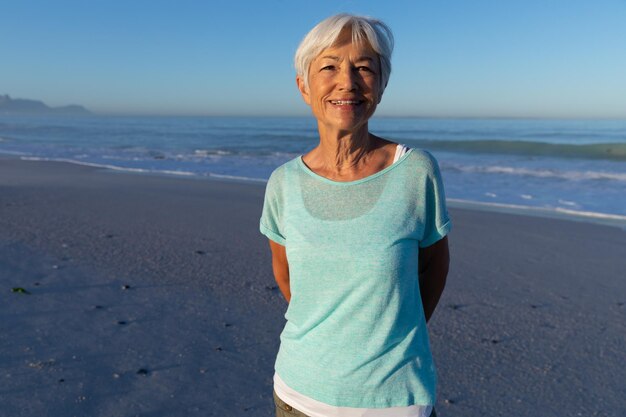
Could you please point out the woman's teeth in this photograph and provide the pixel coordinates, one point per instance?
(345, 102)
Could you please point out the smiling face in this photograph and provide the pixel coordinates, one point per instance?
(343, 88)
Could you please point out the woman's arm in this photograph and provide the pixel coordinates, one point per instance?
(434, 261)
(281, 268)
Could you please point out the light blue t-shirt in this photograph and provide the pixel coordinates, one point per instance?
(356, 334)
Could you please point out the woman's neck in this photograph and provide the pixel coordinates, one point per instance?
(348, 155)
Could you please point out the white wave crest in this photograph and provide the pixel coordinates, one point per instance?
(146, 171)
(542, 173)
(568, 203)
(546, 211)
(106, 166)
(210, 152)
(237, 177)
(6, 152)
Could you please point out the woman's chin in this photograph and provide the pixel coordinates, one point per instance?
(347, 125)
(345, 121)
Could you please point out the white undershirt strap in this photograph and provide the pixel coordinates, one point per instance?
(401, 149)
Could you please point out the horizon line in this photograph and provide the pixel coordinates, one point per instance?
(383, 116)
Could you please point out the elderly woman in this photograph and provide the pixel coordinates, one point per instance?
(357, 232)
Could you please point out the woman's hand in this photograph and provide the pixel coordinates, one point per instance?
(434, 261)
(281, 268)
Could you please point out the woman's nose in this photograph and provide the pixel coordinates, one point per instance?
(348, 79)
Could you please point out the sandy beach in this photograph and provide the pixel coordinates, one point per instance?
(143, 295)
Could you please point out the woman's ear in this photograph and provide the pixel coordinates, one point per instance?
(303, 89)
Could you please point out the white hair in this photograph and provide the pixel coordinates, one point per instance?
(325, 34)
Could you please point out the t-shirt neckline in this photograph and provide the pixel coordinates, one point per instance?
(361, 180)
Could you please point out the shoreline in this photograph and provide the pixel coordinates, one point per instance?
(604, 219)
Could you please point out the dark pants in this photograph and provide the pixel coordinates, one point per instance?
(285, 410)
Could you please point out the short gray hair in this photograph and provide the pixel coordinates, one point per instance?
(325, 34)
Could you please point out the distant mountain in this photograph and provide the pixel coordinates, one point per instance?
(10, 105)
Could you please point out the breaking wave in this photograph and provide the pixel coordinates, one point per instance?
(609, 151)
(539, 173)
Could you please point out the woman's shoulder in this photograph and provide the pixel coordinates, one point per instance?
(278, 175)
(424, 159)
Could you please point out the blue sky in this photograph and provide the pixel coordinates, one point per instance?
(453, 58)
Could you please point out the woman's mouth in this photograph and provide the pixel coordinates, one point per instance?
(346, 102)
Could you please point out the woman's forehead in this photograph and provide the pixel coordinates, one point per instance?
(356, 50)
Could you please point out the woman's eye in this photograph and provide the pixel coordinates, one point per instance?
(367, 69)
(328, 67)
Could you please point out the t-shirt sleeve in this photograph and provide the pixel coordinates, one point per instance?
(271, 224)
(437, 223)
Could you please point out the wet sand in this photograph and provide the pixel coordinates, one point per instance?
(154, 296)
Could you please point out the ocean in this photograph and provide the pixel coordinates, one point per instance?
(560, 167)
